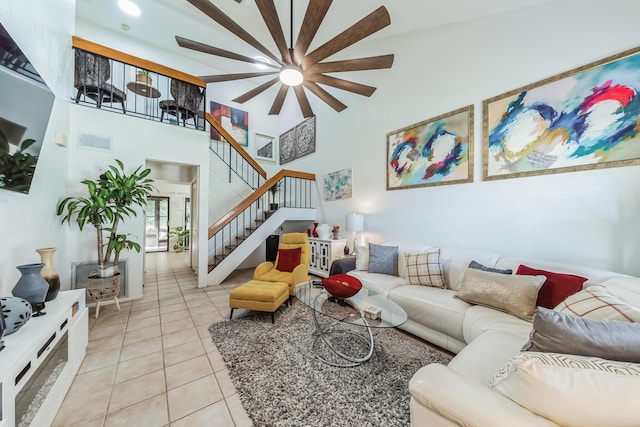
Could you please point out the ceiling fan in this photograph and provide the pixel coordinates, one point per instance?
(306, 69)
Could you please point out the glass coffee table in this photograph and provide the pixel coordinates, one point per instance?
(351, 311)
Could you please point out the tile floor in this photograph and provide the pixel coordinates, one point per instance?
(153, 363)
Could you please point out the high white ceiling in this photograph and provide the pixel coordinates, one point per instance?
(161, 20)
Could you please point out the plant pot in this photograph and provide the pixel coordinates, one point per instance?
(145, 79)
(273, 206)
(49, 272)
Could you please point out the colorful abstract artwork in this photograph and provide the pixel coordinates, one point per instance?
(234, 121)
(434, 152)
(338, 185)
(299, 141)
(583, 119)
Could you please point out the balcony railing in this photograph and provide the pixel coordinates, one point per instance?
(112, 80)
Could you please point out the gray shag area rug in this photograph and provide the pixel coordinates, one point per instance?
(281, 383)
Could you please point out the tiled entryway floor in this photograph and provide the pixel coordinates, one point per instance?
(154, 363)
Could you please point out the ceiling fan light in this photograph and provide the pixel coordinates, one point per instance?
(129, 7)
(291, 76)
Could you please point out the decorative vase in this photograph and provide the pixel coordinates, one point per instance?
(16, 311)
(324, 231)
(49, 272)
(315, 229)
(32, 287)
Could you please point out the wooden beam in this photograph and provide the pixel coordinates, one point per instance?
(99, 49)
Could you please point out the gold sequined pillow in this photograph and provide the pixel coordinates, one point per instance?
(513, 294)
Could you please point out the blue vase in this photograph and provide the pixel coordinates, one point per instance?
(15, 312)
(32, 286)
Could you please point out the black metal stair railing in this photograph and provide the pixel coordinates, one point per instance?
(295, 190)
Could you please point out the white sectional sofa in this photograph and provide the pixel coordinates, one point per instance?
(484, 339)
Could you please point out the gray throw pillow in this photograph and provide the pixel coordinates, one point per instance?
(478, 266)
(556, 332)
(383, 259)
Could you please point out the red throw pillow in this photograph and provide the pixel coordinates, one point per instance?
(556, 288)
(288, 259)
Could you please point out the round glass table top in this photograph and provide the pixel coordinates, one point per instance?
(317, 298)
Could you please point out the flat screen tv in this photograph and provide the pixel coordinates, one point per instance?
(25, 107)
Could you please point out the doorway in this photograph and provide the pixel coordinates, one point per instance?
(157, 224)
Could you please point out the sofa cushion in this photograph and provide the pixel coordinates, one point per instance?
(572, 390)
(288, 259)
(432, 307)
(478, 266)
(456, 261)
(378, 283)
(425, 269)
(513, 294)
(383, 259)
(479, 319)
(556, 288)
(481, 359)
(596, 302)
(626, 288)
(556, 332)
(362, 258)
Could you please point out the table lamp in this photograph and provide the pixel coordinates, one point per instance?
(355, 225)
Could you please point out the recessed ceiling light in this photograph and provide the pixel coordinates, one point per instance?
(129, 7)
(125, 27)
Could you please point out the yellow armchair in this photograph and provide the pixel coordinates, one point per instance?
(267, 271)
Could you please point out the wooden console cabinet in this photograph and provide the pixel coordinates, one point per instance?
(40, 360)
(323, 253)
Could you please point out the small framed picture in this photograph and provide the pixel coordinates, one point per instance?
(265, 147)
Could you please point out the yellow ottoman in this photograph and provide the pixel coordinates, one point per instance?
(260, 296)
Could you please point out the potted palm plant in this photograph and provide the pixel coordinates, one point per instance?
(111, 198)
(182, 235)
(273, 206)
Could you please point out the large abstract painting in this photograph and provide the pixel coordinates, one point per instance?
(583, 119)
(434, 152)
(338, 185)
(299, 141)
(234, 121)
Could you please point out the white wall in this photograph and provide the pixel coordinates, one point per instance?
(28, 221)
(587, 218)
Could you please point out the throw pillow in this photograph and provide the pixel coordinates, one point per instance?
(425, 269)
(556, 332)
(515, 295)
(288, 259)
(556, 288)
(478, 266)
(362, 258)
(572, 390)
(383, 259)
(596, 302)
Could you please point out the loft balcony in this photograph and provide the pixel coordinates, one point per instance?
(115, 81)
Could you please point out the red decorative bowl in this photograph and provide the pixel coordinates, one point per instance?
(342, 285)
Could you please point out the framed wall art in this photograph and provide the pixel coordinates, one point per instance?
(338, 185)
(235, 121)
(436, 151)
(585, 118)
(298, 142)
(265, 147)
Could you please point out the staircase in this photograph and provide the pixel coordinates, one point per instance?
(244, 228)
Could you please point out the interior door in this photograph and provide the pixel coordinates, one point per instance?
(157, 224)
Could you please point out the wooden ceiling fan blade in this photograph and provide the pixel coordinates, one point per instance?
(303, 101)
(205, 48)
(253, 92)
(375, 21)
(313, 17)
(359, 64)
(270, 16)
(279, 101)
(227, 77)
(221, 18)
(325, 96)
(347, 85)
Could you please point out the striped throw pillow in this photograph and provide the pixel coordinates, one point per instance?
(597, 303)
(425, 269)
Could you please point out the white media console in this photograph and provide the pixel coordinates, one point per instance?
(40, 360)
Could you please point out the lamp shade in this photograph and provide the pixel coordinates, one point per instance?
(355, 223)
